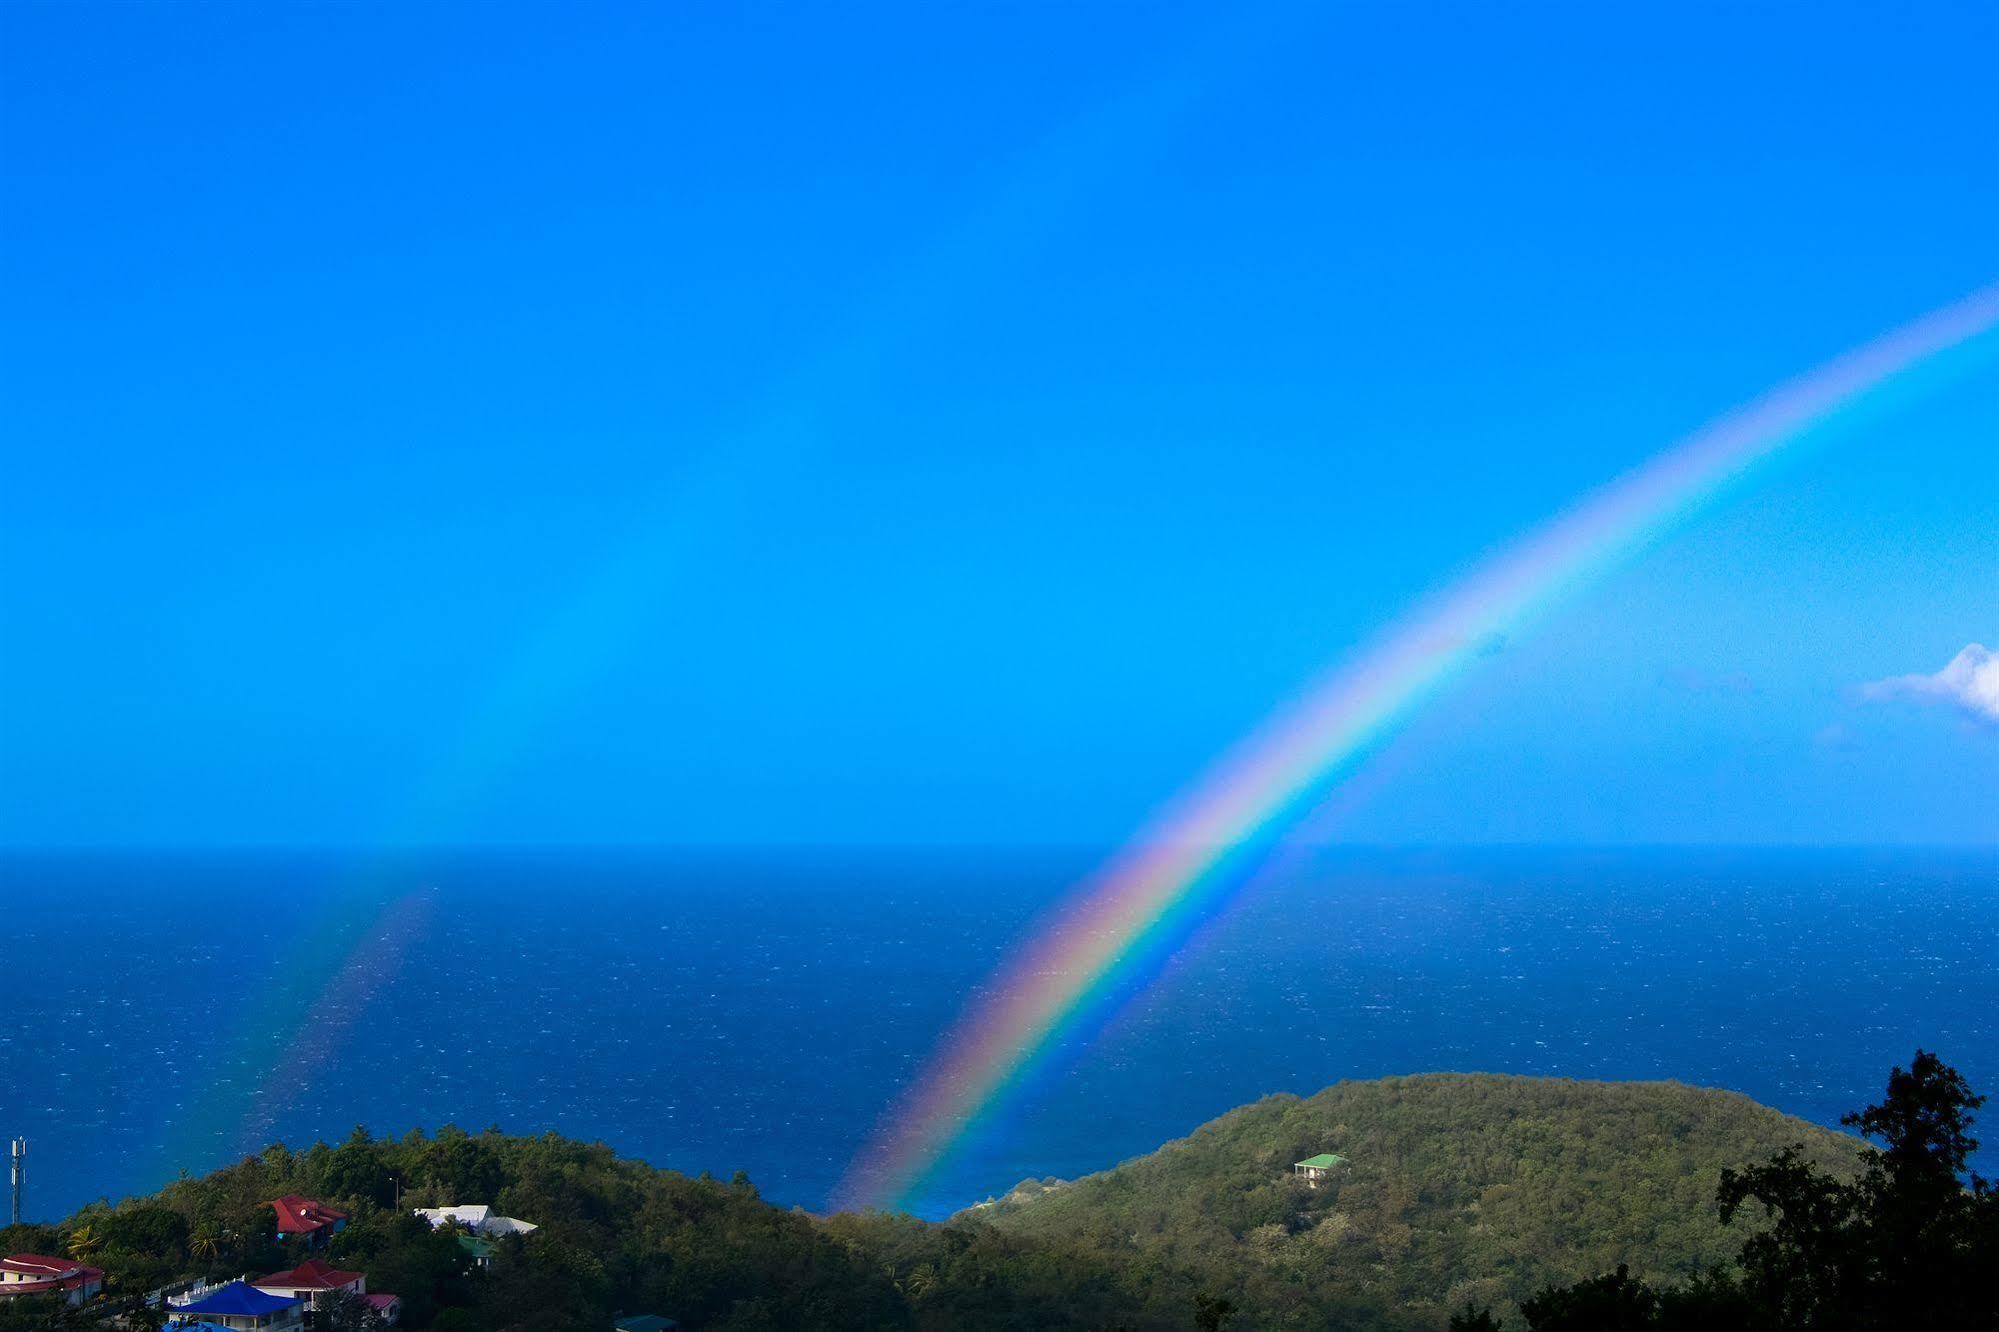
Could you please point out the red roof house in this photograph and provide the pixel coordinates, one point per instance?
(316, 1282)
(310, 1280)
(39, 1274)
(303, 1217)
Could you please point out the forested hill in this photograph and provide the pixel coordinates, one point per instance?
(1455, 1187)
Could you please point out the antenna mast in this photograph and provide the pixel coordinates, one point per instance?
(18, 1159)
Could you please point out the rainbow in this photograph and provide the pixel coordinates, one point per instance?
(301, 1017)
(324, 1024)
(1181, 864)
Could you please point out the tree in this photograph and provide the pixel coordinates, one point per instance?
(205, 1244)
(355, 1171)
(1212, 1312)
(83, 1242)
(1910, 1243)
(42, 1313)
(28, 1237)
(140, 1316)
(141, 1245)
(1932, 1220)
(1614, 1302)
(466, 1168)
(401, 1252)
(145, 1228)
(346, 1312)
(1812, 1254)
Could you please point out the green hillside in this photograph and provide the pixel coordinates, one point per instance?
(1452, 1188)
(1455, 1187)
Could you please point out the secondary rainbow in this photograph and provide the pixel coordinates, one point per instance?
(1185, 858)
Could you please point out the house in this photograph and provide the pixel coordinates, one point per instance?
(303, 1218)
(389, 1308)
(241, 1307)
(311, 1281)
(480, 1220)
(477, 1218)
(480, 1249)
(1314, 1169)
(645, 1323)
(39, 1274)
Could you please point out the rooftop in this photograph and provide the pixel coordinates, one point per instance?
(478, 1217)
(43, 1273)
(237, 1298)
(36, 1264)
(299, 1216)
(1323, 1160)
(312, 1275)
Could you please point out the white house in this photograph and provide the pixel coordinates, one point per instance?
(477, 1218)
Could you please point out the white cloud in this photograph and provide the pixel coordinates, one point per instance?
(1971, 681)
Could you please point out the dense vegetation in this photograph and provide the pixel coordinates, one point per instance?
(1457, 1188)
(1459, 1191)
(616, 1236)
(1913, 1241)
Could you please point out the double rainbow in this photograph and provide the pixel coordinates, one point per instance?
(1187, 858)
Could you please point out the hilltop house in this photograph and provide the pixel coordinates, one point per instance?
(1315, 1169)
(39, 1274)
(243, 1308)
(303, 1218)
(477, 1218)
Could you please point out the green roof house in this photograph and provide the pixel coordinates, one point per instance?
(1315, 1168)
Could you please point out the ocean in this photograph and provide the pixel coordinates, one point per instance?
(758, 1011)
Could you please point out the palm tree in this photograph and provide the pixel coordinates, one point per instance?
(206, 1244)
(83, 1241)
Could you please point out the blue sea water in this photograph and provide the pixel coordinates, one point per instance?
(758, 1011)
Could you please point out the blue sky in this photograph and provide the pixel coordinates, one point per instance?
(613, 423)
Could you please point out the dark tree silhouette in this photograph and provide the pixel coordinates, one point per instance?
(346, 1312)
(1912, 1242)
(1475, 1319)
(1614, 1302)
(1909, 1243)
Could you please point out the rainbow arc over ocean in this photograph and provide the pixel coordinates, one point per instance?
(1183, 863)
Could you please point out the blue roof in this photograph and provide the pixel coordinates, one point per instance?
(645, 1323)
(191, 1326)
(237, 1298)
